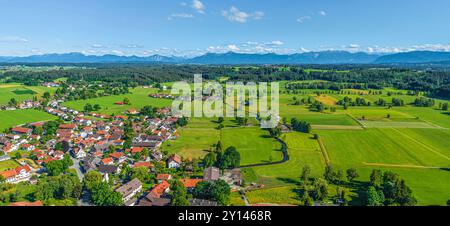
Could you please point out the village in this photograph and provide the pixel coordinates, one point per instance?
(109, 145)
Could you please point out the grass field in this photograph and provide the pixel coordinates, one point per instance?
(12, 118)
(21, 92)
(303, 150)
(8, 164)
(254, 144)
(138, 98)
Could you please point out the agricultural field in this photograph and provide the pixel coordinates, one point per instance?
(21, 92)
(13, 118)
(138, 98)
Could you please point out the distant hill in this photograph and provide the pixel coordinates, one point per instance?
(81, 58)
(324, 57)
(414, 57)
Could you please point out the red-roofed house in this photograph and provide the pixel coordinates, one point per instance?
(21, 131)
(163, 177)
(143, 164)
(160, 189)
(190, 183)
(174, 161)
(119, 157)
(19, 174)
(107, 161)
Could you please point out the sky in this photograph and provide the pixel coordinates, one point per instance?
(195, 27)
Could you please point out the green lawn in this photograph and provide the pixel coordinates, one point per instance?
(303, 150)
(21, 92)
(10, 119)
(254, 144)
(9, 164)
(138, 98)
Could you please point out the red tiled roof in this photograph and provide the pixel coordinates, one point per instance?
(106, 161)
(21, 130)
(37, 203)
(175, 158)
(159, 189)
(67, 126)
(117, 155)
(135, 150)
(190, 183)
(163, 176)
(142, 164)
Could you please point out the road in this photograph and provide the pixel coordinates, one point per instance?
(77, 168)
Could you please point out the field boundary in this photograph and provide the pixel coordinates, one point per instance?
(324, 152)
(404, 166)
(422, 144)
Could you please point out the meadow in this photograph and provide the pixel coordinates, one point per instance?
(10, 119)
(139, 97)
(21, 92)
(8, 164)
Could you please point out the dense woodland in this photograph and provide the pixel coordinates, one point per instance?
(432, 82)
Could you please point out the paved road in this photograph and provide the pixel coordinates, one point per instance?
(76, 167)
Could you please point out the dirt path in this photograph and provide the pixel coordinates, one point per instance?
(403, 166)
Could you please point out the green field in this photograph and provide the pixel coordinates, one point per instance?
(21, 92)
(254, 144)
(9, 164)
(10, 119)
(138, 98)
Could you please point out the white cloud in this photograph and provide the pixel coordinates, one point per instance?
(233, 48)
(322, 13)
(199, 6)
(13, 39)
(235, 15)
(275, 43)
(98, 46)
(303, 19)
(180, 15)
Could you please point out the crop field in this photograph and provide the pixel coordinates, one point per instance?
(12, 118)
(21, 92)
(327, 100)
(8, 164)
(138, 98)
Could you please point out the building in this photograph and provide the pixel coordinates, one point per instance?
(130, 189)
(174, 161)
(19, 174)
(21, 131)
(211, 174)
(202, 202)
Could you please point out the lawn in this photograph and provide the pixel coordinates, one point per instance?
(193, 142)
(138, 98)
(254, 144)
(10, 119)
(21, 92)
(303, 150)
(381, 146)
(8, 164)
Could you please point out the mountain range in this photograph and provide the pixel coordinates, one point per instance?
(324, 57)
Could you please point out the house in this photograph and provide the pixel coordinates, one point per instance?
(27, 147)
(130, 189)
(132, 111)
(21, 131)
(149, 200)
(163, 177)
(160, 189)
(19, 174)
(58, 155)
(190, 184)
(174, 161)
(108, 169)
(143, 164)
(118, 157)
(107, 161)
(68, 126)
(211, 174)
(78, 153)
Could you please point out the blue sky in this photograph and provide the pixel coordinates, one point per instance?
(192, 27)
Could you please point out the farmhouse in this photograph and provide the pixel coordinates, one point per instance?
(211, 174)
